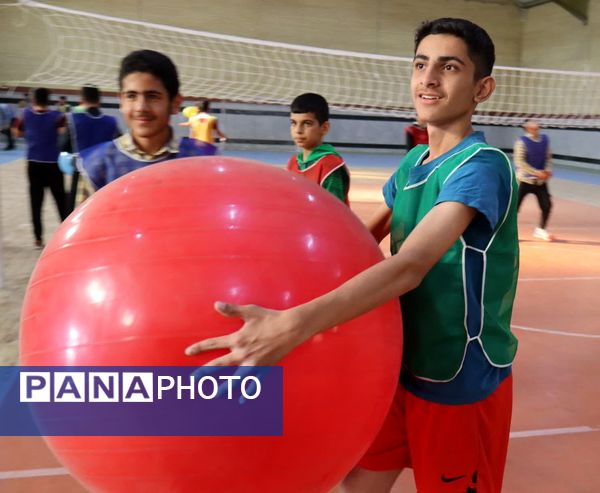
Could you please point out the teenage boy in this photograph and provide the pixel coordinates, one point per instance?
(40, 127)
(148, 96)
(86, 129)
(319, 162)
(90, 126)
(452, 206)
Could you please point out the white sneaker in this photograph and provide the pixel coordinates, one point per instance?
(542, 234)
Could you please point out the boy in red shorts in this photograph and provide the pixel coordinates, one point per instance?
(451, 211)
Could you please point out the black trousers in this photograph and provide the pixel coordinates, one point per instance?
(10, 141)
(42, 176)
(543, 197)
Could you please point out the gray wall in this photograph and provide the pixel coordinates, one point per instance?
(552, 38)
(267, 126)
(377, 131)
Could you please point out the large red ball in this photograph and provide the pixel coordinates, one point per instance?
(130, 278)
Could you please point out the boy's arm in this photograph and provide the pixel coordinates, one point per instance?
(85, 186)
(18, 129)
(548, 164)
(268, 335)
(61, 124)
(118, 132)
(85, 189)
(520, 159)
(338, 183)
(222, 136)
(379, 223)
(65, 139)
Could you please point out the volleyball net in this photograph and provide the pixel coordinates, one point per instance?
(86, 48)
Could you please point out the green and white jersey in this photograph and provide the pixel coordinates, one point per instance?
(466, 300)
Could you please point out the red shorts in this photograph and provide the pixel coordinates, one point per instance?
(451, 448)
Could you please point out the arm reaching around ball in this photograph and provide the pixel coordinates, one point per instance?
(379, 223)
(268, 335)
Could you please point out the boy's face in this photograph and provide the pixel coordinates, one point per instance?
(443, 85)
(306, 130)
(146, 107)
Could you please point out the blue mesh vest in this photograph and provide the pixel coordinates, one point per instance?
(537, 151)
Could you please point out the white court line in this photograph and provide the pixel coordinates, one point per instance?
(33, 473)
(566, 228)
(556, 332)
(552, 431)
(540, 244)
(535, 279)
(61, 471)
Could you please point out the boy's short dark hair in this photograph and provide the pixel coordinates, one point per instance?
(204, 105)
(311, 103)
(479, 44)
(41, 96)
(154, 63)
(90, 94)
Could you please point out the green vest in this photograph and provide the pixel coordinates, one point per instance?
(434, 313)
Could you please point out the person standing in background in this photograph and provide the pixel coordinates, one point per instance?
(40, 126)
(85, 129)
(533, 161)
(63, 106)
(315, 160)
(203, 126)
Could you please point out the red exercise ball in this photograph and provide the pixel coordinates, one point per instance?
(130, 278)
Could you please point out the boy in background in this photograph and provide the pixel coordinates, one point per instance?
(63, 106)
(319, 162)
(85, 129)
(203, 126)
(41, 127)
(149, 95)
(533, 160)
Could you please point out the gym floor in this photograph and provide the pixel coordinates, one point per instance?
(555, 439)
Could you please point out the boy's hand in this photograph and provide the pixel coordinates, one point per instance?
(264, 339)
(543, 174)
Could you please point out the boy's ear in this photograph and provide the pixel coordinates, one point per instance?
(176, 104)
(485, 88)
(325, 127)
